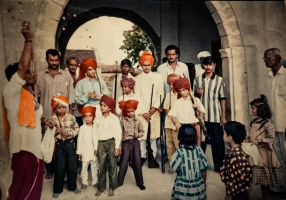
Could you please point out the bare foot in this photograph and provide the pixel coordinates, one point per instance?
(110, 193)
(98, 193)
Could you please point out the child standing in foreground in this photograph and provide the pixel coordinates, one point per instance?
(182, 112)
(190, 164)
(172, 141)
(132, 129)
(65, 151)
(235, 171)
(108, 132)
(262, 135)
(85, 147)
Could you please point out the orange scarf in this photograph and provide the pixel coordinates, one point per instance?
(26, 113)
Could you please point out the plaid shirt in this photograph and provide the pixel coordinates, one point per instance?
(131, 128)
(236, 171)
(68, 123)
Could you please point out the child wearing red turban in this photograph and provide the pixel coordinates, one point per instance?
(171, 131)
(132, 130)
(85, 147)
(108, 132)
(182, 112)
(65, 152)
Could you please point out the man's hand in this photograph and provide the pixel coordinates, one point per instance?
(147, 116)
(48, 122)
(199, 92)
(79, 156)
(117, 152)
(97, 96)
(222, 120)
(26, 32)
(95, 152)
(92, 95)
(152, 111)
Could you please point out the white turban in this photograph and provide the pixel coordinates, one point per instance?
(203, 54)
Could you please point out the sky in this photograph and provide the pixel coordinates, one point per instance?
(104, 34)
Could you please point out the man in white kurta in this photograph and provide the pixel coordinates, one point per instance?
(143, 88)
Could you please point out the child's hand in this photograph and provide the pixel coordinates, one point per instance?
(178, 125)
(95, 152)
(117, 152)
(59, 130)
(79, 156)
(64, 134)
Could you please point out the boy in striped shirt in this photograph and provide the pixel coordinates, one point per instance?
(210, 88)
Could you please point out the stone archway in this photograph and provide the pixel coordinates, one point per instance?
(232, 52)
(70, 27)
(233, 60)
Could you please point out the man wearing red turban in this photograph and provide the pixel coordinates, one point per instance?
(149, 110)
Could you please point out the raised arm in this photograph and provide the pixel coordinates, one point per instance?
(27, 53)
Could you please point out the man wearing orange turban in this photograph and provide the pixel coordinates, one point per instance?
(149, 110)
(90, 87)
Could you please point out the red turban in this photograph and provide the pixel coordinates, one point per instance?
(172, 77)
(84, 65)
(60, 99)
(110, 102)
(146, 56)
(181, 83)
(127, 82)
(88, 109)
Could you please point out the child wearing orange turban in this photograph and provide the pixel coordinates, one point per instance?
(131, 130)
(85, 148)
(65, 152)
(84, 65)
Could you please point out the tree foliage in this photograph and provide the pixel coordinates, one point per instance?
(135, 41)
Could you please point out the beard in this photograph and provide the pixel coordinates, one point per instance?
(54, 66)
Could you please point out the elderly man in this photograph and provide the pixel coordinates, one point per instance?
(276, 93)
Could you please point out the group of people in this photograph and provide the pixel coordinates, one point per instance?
(90, 126)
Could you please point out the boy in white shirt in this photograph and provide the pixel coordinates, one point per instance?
(172, 141)
(182, 111)
(85, 147)
(108, 132)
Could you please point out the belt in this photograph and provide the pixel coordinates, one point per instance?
(106, 140)
(194, 124)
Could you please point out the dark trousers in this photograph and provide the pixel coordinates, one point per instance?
(65, 161)
(130, 151)
(215, 132)
(27, 179)
(107, 160)
(241, 196)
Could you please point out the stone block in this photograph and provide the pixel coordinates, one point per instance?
(61, 2)
(47, 25)
(216, 18)
(233, 40)
(51, 10)
(227, 28)
(226, 14)
(216, 5)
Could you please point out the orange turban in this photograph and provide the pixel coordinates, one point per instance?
(130, 105)
(60, 99)
(146, 56)
(88, 109)
(172, 77)
(110, 102)
(84, 65)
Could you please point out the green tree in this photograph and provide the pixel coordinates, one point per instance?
(135, 41)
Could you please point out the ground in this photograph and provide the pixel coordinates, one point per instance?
(158, 186)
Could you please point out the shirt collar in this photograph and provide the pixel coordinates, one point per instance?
(176, 65)
(59, 72)
(280, 71)
(212, 77)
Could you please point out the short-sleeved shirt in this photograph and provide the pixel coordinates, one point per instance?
(184, 111)
(213, 92)
(50, 86)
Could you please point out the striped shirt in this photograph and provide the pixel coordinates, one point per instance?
(213, 92)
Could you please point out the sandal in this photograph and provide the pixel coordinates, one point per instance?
(170, 171)
(48, 176)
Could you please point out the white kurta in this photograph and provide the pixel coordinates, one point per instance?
(85, 142)
(143, 88)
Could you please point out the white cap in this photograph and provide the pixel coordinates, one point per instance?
(203, 54)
